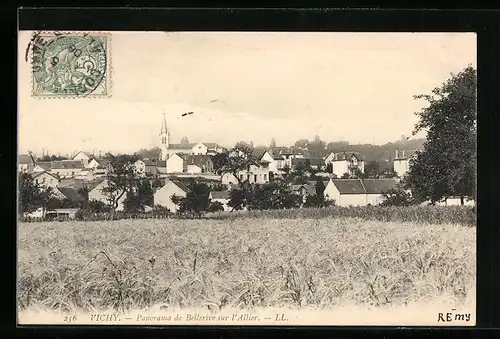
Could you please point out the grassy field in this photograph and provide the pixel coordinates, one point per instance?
(243, 263)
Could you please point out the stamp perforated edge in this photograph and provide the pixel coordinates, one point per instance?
(109, 71)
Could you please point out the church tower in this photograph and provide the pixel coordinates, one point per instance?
(165, 139)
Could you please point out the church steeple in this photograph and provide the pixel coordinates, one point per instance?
(165, 136)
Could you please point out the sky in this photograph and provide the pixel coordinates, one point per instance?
(250, 86)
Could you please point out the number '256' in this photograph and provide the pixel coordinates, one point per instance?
(70, 319)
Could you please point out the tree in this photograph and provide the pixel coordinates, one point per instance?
(300, 173)
(447, 165)
(272, 145)
(97, 206)
(151, 153)
(31, 195)
(329, 168)
(237, 199)
(136, 200)
(83, 192)
(122, 179)
(238, 158)
(302, 143)
(51, 158)
(345, 176)
(184, 141)
(372, 169)
(220, 161)
(396, 197)
(357, 174)
(317, 146)
(195, 202)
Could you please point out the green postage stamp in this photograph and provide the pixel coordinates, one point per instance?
(70, 64)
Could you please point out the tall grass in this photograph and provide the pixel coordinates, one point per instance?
(241, 263)
(462, 215)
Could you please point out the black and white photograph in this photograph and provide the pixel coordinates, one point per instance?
(246, 178)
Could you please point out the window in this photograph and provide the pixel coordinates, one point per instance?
(265, 177)
(241, 176)
(255, 178)
(248, 177)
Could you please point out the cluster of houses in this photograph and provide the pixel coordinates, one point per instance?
(195, 160)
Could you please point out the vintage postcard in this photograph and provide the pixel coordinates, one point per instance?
(246, 178)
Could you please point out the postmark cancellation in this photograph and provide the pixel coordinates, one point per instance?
(70, 65)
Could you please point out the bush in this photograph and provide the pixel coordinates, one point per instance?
(215, 206)
(396, 197)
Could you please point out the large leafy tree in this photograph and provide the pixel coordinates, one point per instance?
(447, 165)
(237, 159)
(122, 179)
(196, 201)
(31, 195)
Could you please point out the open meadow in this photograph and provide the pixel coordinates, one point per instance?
(243, 264)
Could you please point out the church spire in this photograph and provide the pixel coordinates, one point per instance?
(164, 125)
(165, 136)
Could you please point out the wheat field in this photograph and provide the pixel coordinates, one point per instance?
(243, 264)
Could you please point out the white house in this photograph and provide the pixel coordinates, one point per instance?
(82, 157)
(86, 174)
(163, 196)
(46, 179)
(176, 163)
(347, 162)
(289, 154)
(229, 179)
(201, 148)
(357, 192)
(66, 168)
(103, 168)
(276, 162)
(92, 164)
(222, 197)
(256, 173)
(97, 194)
(402, 161)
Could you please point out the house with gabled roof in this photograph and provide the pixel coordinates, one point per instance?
(83, 157)
(303, 190)
(163, 196)
(276, 161)
(220, 196)
(69, 193)
(291, 153)
(176, 163)
(103, 168)
(401, 161)
(347, 162)
(96, 192)
(45, 179)
(358, 192)
(26, 163)
(199, 164)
